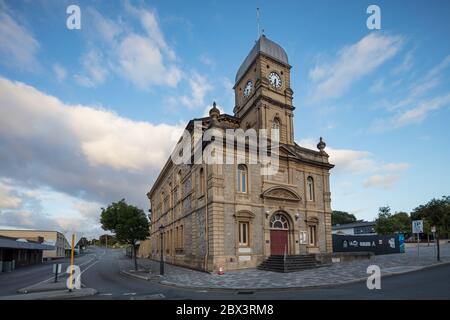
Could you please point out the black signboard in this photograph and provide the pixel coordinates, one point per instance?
(374, 243)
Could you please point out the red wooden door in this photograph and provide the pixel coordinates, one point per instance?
(278, 242)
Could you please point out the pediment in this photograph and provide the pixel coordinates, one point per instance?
(244, 214)
(286, 152)
(281, 193)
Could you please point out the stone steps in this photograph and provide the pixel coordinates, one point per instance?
(289, 264)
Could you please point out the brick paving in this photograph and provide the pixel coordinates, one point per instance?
(337, 273)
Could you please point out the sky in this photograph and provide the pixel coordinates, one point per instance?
(89, 116)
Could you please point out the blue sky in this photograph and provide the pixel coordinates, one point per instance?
(89, 116)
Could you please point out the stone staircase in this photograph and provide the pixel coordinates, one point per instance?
(291, 263)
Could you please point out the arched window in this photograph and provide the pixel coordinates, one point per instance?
(202, 181)
(310, 188)
(241, 178)
(279, 221)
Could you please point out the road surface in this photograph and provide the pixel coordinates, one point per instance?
(101, 272)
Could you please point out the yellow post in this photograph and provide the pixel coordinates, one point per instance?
(71, 260)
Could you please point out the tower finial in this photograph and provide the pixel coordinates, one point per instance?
(257, 23)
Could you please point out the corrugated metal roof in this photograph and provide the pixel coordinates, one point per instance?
(12, 243)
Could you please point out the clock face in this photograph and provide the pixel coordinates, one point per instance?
(248, 88)
(275, 80)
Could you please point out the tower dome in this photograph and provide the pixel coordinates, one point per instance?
(267, 47)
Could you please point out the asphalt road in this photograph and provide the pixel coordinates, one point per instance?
(26, 276)
(100, 270)
(104, 276)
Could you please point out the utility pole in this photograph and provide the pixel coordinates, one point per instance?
(71, 260)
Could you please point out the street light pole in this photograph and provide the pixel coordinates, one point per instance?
(161, 263)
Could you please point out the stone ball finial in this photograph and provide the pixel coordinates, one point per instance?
(214, 111)
(321, 145)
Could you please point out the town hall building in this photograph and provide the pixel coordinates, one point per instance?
(230, 216)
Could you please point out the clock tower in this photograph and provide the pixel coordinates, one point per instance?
(263, 95)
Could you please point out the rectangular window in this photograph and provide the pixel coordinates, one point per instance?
(243, 233)
(312, 235)
(303, 237)
(243, 182)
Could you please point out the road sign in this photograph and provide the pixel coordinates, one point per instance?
(433, 229)
(417, 226)
(57, 268)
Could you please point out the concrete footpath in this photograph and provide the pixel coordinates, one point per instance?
(53, 295)
(254, 279)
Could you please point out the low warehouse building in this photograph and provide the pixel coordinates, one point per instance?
(57, 240)
(18, 252)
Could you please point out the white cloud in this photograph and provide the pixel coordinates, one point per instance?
(18, 48)
(104, 138)
(107, 29)
(421, 111)
(63, 162)
(141, 56)
(94, 71)
(7, 199)
(406, 64)
(352, 162)
(413, 107)
(90, 153)
(60, 72)
(151, 26)
(352, 63)
(346, 161)
(200, 86)
(384, 181)
(377, 86)
(207, 60)
(141, 62)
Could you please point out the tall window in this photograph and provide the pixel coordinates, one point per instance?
(243, 234)
(202, 181)
(179, 184)
(241, 179)
(170, 195)
(310, 187)
(181, 237)
(312, 235)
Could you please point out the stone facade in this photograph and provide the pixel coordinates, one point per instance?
(210, 220)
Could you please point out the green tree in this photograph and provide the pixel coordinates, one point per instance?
(128, 222)
(383, 224)
(401, 222)
(437, 213)
(388, 223)
(342, 217)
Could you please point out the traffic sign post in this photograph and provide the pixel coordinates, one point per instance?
(417, 228)
(56, 270)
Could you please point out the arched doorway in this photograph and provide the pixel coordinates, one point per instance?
(279, 229)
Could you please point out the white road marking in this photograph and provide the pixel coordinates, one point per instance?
(89, 267)
(53, 277)
(129, 294)
(105, 294)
